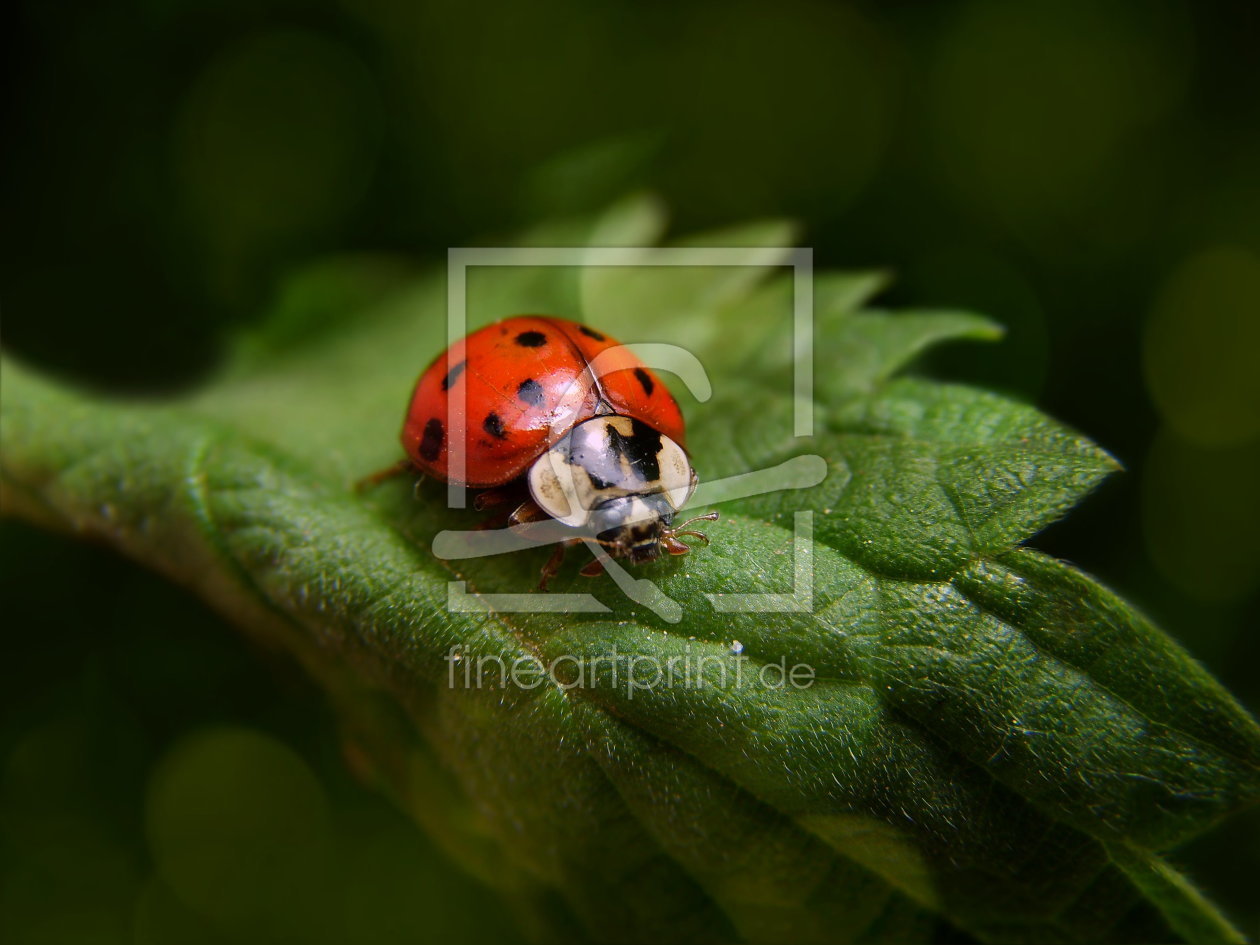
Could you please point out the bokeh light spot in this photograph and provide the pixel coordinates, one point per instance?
(1201, 341)
(238, 823)
(1201, 512)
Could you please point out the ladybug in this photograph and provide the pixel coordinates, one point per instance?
(565, 415)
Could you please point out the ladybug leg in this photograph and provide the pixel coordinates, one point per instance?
(671, 539)
(524, 514)
(372, 480)
(552, 567)
(527, 512)
(593, 568)
(498, 520)
(489, 498)
(499, 500)
(674, 546)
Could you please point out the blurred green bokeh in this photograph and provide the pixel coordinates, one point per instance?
(1086, 173)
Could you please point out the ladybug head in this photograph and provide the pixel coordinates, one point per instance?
(613, 474)
(619, 483)
(633, 527)
(644, 528)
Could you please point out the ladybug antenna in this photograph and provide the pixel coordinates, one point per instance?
(706, 517)
(682, 529)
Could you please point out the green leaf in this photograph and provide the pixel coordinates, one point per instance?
(1182, 905)
(989, 739)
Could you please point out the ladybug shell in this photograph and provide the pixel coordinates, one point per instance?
(499, 398)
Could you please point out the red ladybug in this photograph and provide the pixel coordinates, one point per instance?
(568, 414)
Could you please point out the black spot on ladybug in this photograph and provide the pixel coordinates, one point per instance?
(493, 424)
(646, 380)
(590, 333)
(531, 339)
(530, 392)
(431, 442)
(453, 375)
(640, 449)
(597, 482)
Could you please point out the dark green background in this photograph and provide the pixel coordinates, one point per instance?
(1086, 173)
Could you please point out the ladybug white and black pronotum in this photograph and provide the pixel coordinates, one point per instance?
(558, 412)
